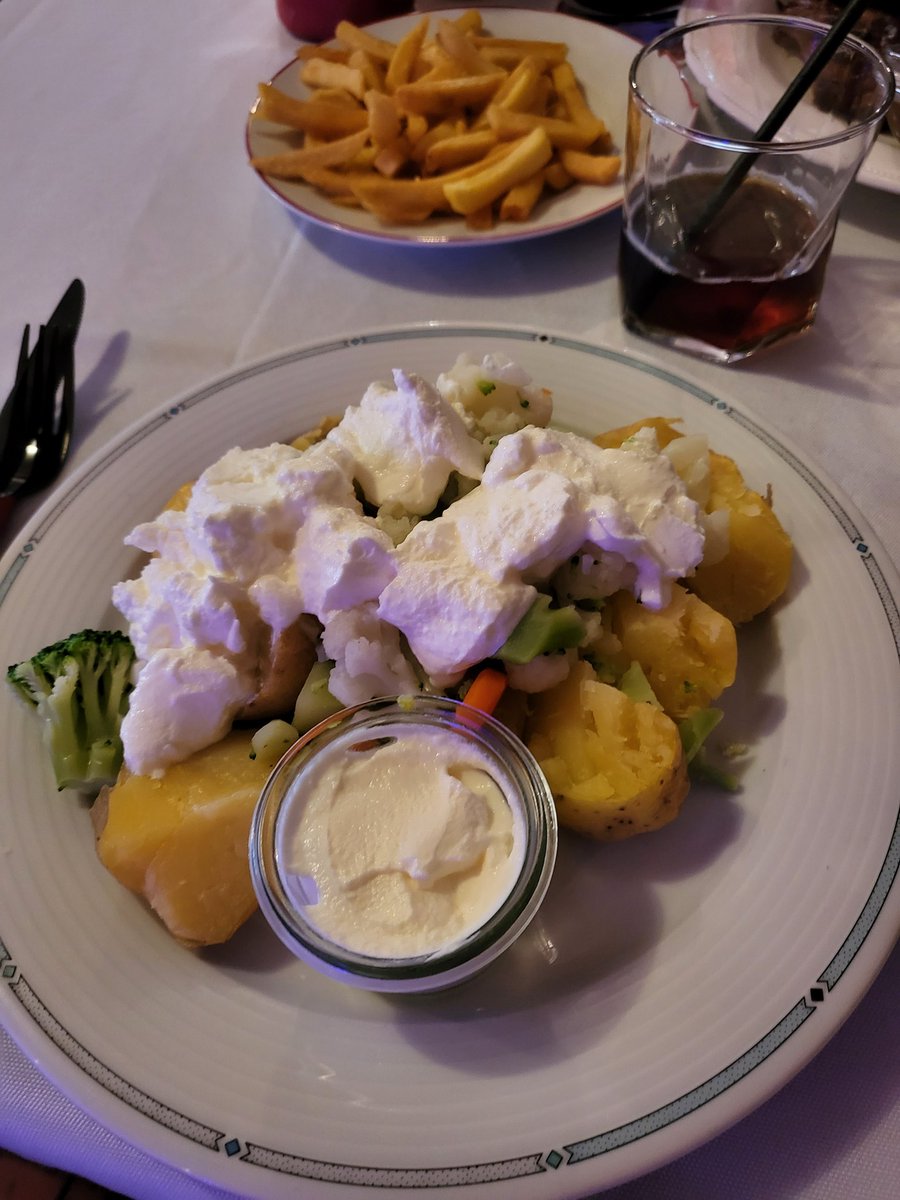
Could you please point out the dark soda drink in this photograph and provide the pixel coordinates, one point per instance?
(743, 281)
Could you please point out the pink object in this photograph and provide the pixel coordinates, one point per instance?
(315, 20)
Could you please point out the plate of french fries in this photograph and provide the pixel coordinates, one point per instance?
(448, 128)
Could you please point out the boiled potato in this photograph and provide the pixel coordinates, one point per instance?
(181, 841)
(756, 568)
(616, 767)
(612, 439)
(757, 565)
(688, 651)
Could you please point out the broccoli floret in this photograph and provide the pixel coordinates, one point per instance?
(80, 688)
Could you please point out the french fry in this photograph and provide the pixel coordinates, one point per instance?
(391, 159)
(461, 48)
(520, 89)
(384, 120)
(452, 122)
(337, 184)
(518, 203)
(600, 169)
(506, 52)
(400, 68)
(335, 54)
(355, 38)
(556, 177)
(372, 72)
(293, 163)
(320, 73)
(310, 116)
(399, 200)
(579, 111)
(470, 21)
(564, 134)
(481, 220)
(416, 127)
(457, 149)
(433, 97)
(485, 186)
(434, 133)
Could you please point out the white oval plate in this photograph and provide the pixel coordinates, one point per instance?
(881, 168)
(600, 58)
(669, 984)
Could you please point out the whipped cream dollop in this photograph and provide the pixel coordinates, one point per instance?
(402, 845)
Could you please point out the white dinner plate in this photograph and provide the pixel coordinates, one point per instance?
(881, 168)
(669, 984)
(600, 58)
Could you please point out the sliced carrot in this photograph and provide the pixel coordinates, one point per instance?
(486, 689)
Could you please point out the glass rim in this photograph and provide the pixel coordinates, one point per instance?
(750, 145)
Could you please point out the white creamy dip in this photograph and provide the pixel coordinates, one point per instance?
(400, 846)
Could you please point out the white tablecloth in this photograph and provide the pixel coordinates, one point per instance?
(123, 162)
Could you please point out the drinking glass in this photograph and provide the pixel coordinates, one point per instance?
(315, 20)
(721, 272)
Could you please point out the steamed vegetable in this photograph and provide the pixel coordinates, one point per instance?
(542, 630)
(79, 688)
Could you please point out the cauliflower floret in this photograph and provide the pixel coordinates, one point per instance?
(393, 520)
(495, 383)
(592, 576)
(542, 673)
(368, 659)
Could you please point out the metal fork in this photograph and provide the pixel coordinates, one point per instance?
(36, 421)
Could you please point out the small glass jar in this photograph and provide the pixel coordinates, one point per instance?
(284, 896)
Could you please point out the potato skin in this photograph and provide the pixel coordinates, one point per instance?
(616, 767)
(283, 665)
(688, 651)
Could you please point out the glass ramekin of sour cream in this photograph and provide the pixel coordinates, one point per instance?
(403, 844)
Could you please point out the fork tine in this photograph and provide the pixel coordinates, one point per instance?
(23, 354)
(53, 445)
(14, 419)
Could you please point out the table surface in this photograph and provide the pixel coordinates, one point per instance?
(124, 164)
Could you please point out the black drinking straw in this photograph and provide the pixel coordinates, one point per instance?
(776, 118)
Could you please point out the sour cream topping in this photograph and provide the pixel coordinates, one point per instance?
(402, 846)
(465, 580)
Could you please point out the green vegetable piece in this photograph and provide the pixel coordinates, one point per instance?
(636, 686)
(694, 730)
(542, 630)
(80, 687)
(315, 702)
